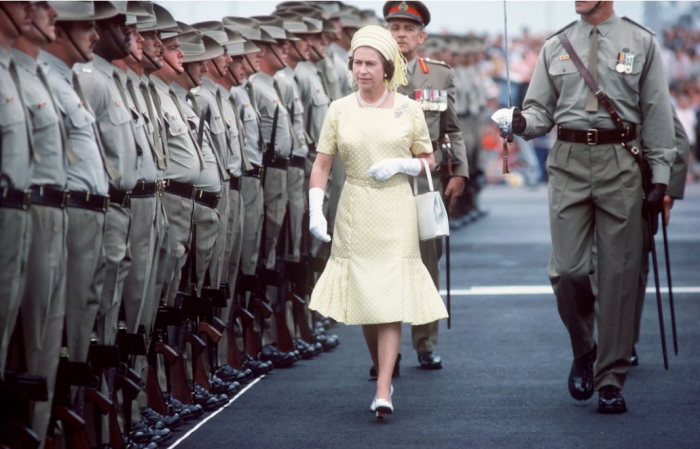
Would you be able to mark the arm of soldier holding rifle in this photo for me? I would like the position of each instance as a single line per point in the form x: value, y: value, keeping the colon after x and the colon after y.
x: 449, y: 125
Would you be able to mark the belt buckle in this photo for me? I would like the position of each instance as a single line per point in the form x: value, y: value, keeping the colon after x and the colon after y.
x: 64, y: 201
x: 26, y: 199
x: 5, y: 191
x: 592, y: 136
x: 126, y: 202
x: 193, y: 195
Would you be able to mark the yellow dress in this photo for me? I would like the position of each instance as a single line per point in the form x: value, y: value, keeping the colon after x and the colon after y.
x: 375, y: 273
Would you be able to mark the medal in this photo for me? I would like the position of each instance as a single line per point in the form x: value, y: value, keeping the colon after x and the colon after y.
x: 620, y: 67
x: 629, y: 63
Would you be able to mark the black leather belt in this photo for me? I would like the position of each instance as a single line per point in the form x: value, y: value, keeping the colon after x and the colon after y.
x: 48, y: 196
x: 15, y: 199
x: 597, y: 136
x: 145, y: 190
x: 280, y: 163
x: 119, y: 197
x: 180, y: 188
x: 256, y: 172
x: 86, y: 200
x: 297, y: 161
x: 209, y: 199
x: 235, y: 182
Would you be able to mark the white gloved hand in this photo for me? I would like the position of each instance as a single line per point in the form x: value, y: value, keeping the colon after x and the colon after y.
x: 317, y: 222
x: 383, y: 170
x: 504, y: 120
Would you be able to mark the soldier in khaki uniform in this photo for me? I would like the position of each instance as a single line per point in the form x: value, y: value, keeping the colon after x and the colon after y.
x: 43, y: 302
x: 432, y: 84
x: 595, y: 184
x: 15, y: 174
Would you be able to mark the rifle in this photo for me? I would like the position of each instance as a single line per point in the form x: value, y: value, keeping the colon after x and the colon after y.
x: 670, y: 287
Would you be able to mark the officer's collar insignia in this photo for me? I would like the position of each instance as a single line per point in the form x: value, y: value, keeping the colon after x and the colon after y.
x: 563, y: 57
x: 9, y: 99
x: 403, y: 6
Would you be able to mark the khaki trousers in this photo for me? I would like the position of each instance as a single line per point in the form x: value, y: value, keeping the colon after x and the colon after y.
x: 15, y: 240
x: 234, y: 245
x: 217, y: 268
x: 84, y: 248
x: 148, y: 317
x: 142, y: 240
x: 276, y: 198
x: 179, y: 211
x: 207, y: 221
x: 596, y: 189
x: 425, y: 336
x: 253, y: 212
x: 44, y: 303
x: 295, y: 189
x: 643, y: 276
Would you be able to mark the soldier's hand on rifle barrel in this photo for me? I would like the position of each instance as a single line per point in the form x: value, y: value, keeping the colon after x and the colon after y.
x: 655, y: 203
x: 668, y: 205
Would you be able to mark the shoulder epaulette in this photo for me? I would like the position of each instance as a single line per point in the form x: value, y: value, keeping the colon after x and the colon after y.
x: 558, y: 32
x: 639, y: 25
x: 434, y: 61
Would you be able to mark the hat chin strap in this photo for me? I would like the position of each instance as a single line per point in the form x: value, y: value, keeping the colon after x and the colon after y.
x: 151, y: 60
x: 216, y: 66
x: 175, y: 69
x: 277, y: 56
x: 595, y: 8
x: 46, y: 37
x: 189, y: 75
x: 12, y: 19
x: 233, y: 75
x: 313, y: 49
x: 74, y: 44
x: 294, y: 46
x: 250, y: 63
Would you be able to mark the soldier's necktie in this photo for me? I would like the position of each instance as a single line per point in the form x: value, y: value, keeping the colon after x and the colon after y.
x: 112, y: 172
x: 67, y: 147
x: 125, y: 100
x: 251, y: 94
x: 198, y: 111
x: 219, y: 103
x: 159, y: 113
x: 27, y: 118
x: 197, y: 150
x: 247, y: 166
x: 157, y: 142
x: 591, y: 99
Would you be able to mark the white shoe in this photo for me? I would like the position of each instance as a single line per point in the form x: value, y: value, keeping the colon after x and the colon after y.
x: 373, y: 407
x: 384, y: 407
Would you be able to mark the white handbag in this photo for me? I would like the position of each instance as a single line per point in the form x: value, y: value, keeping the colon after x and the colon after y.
x: 433, y: 221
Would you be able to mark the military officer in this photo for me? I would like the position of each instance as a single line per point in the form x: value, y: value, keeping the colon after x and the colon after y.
x: 277, y: 131
x: 43, y: 302
x: 595, y: 183
x: 15, y: 173
x: 88, y: 178
x: 432, y: 84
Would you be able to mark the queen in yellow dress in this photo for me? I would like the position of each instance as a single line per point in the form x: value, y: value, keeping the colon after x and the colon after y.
x: 374, y: 276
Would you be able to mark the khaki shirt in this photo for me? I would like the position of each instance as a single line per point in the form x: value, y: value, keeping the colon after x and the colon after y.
x: 289, y: 94
x: 557, y: 92
x: 183, y: 164
x: 46, y: 130
x: 89, y: 174
x: 143, y: 133
x: 15, y: 155
x: 209, y: 178
x: 313, y: 98
x: 113, y: 118
x: 235, y: 135
x: 251, y: 123
x: 330, y: 76
x: 206, y: 99
x: 267, y: 100
x: 439, y: 77
x: 679, y: 168
x: 340, y: 64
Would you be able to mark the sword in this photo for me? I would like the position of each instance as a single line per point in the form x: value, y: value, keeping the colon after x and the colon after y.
x: 652, y: 244
x: 670, y: 289
x: 508, y: 140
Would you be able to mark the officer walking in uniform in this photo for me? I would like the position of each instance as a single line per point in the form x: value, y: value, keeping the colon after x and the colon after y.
x: 431, y: 83
x: 595, y: 181
x: 15, y: 173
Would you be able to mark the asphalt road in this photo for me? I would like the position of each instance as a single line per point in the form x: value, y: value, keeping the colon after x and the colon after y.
x: 506, y: 360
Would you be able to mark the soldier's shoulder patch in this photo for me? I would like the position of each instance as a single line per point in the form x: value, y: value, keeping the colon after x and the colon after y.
x: 86, y: 69
x: 436, y: 62
x: 639, y: 25
x: 196, y: 90
x: 562, y: 30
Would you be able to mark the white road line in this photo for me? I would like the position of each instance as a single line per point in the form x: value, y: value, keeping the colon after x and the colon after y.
x: 523, y: 290
x: 204, y: 421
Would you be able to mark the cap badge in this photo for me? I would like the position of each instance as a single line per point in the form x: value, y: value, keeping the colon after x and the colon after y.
x: 403, y: 6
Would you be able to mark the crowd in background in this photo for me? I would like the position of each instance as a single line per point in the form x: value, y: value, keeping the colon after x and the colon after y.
x: 681, y: 53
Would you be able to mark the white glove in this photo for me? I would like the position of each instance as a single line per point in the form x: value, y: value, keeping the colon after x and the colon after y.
x: 383, y: 170
x: 317, y: 222
x: 504, y: 120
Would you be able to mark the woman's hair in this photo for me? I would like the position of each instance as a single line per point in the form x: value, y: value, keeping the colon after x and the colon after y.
x: 389, y: 66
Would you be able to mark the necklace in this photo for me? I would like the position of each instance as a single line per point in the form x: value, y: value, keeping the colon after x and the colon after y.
x: 364, y: 104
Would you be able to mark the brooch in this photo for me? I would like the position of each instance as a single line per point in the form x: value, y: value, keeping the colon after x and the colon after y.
x: 398, y: 112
